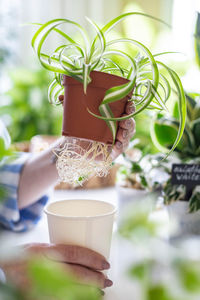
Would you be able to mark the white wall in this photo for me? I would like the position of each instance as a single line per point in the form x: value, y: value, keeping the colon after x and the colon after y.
x: 43, y: 10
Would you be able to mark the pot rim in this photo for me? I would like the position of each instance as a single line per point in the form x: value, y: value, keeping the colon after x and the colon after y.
x: 99, y: 80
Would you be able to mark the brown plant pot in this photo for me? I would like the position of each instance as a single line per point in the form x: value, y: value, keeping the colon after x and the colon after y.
x: 77, y: 121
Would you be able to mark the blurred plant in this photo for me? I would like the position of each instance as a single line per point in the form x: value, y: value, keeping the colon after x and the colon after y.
x: 27, y: 111
x: 135, y: 224
x: 146, y: 171
x: 163, y: 271
x: 52, y: 282
x: 164, y: 130
x: 180, y: 281
x: 149, y: 171
x: 49, y: 281
x: 163, y: 133
x: 197, y: 39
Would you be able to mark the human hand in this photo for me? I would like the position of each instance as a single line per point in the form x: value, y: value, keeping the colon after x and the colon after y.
x: 84, y: 264
x: 125, y: 132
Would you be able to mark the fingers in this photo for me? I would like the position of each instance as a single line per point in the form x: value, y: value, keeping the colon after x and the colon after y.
x: 87, y: 276
x: 16, y: 272
x: 125, y: 132
x: 128, y: 124
x: 72, y: 254
x: 130, y: 108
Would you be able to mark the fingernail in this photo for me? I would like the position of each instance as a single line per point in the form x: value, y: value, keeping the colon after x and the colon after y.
x: 108, y: 283
x: 125, y: 133
x: 128, y: 123
x: 105, y: 265
x: 119, y: 145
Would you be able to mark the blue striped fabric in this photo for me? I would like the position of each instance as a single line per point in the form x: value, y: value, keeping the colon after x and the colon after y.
x: 11, y: 217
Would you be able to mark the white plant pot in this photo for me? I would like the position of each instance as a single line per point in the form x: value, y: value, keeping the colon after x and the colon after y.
x: 127, y: 197
x: 188, y: 223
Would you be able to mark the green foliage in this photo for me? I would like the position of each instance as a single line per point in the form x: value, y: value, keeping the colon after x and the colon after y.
x: 159, y: 292
x: 9, y: 292
x: 164, y: 130
x: 197, y: 39
x: 163, y: 271
x: 4, y: 151
x: 143, y: 124
x: 189, y: 275
x: 173, y: 193
x: 137, y: 225
x: 146, y: 81
x: 188, y: 151
x: 52, y: 282
x: 141, y: 270
x: 28, y: 106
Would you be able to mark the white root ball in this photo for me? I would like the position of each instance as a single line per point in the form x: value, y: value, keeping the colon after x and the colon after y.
x: 80, y: 159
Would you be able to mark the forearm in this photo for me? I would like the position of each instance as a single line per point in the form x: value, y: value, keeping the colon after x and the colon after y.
x: 38, y: 175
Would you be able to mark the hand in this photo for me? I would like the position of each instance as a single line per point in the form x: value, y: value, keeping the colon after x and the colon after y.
x: 84, y: 264
x: 125, y: 132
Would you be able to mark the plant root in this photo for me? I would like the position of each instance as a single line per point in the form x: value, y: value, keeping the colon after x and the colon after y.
x: 79, y: 159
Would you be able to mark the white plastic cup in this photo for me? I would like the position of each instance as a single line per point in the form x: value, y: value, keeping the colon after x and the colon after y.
x: 87, y: 223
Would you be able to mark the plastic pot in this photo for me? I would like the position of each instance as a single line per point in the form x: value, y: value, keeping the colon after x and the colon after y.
x: 77, y: 121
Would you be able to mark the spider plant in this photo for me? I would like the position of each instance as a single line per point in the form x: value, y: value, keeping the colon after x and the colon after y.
x: 150, y: 86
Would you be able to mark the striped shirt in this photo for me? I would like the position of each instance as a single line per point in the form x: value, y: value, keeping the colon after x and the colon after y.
x: 11, y: 217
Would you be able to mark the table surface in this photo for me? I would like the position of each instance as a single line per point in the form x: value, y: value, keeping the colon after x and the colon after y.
x: 121, y: 253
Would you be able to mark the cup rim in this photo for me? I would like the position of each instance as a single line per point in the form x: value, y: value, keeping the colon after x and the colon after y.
x: 114, y: 210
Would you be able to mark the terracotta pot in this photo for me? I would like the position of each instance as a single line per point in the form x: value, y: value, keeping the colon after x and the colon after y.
x: 77, y: 121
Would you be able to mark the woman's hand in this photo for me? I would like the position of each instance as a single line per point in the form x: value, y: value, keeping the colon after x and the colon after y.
x: 125, y: 132
x: 84, y: 264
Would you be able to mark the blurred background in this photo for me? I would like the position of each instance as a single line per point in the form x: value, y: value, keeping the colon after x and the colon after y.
x: 33, y: 123
x: 24, y: 107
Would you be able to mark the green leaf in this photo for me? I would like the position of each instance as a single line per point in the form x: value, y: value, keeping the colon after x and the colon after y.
x: 195, y: 127
x: 194, y: 201
x: 164, y: 132
x: 189, y: 273
x: 182, y: 105
x: 50, y: 281
x: 43, y: 32
x: 120, y: 18
x: 135, y: 168
x: 197, y: 39
x: 140, y: 270
x: 159, y: 292
x: 102, y: 43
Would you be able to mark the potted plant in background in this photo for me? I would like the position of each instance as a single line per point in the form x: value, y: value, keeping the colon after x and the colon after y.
x: 182, y: 205
x: 151, y: 173
x: 183, y: 200
x: 130, y: 180
x: 97, y: 80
